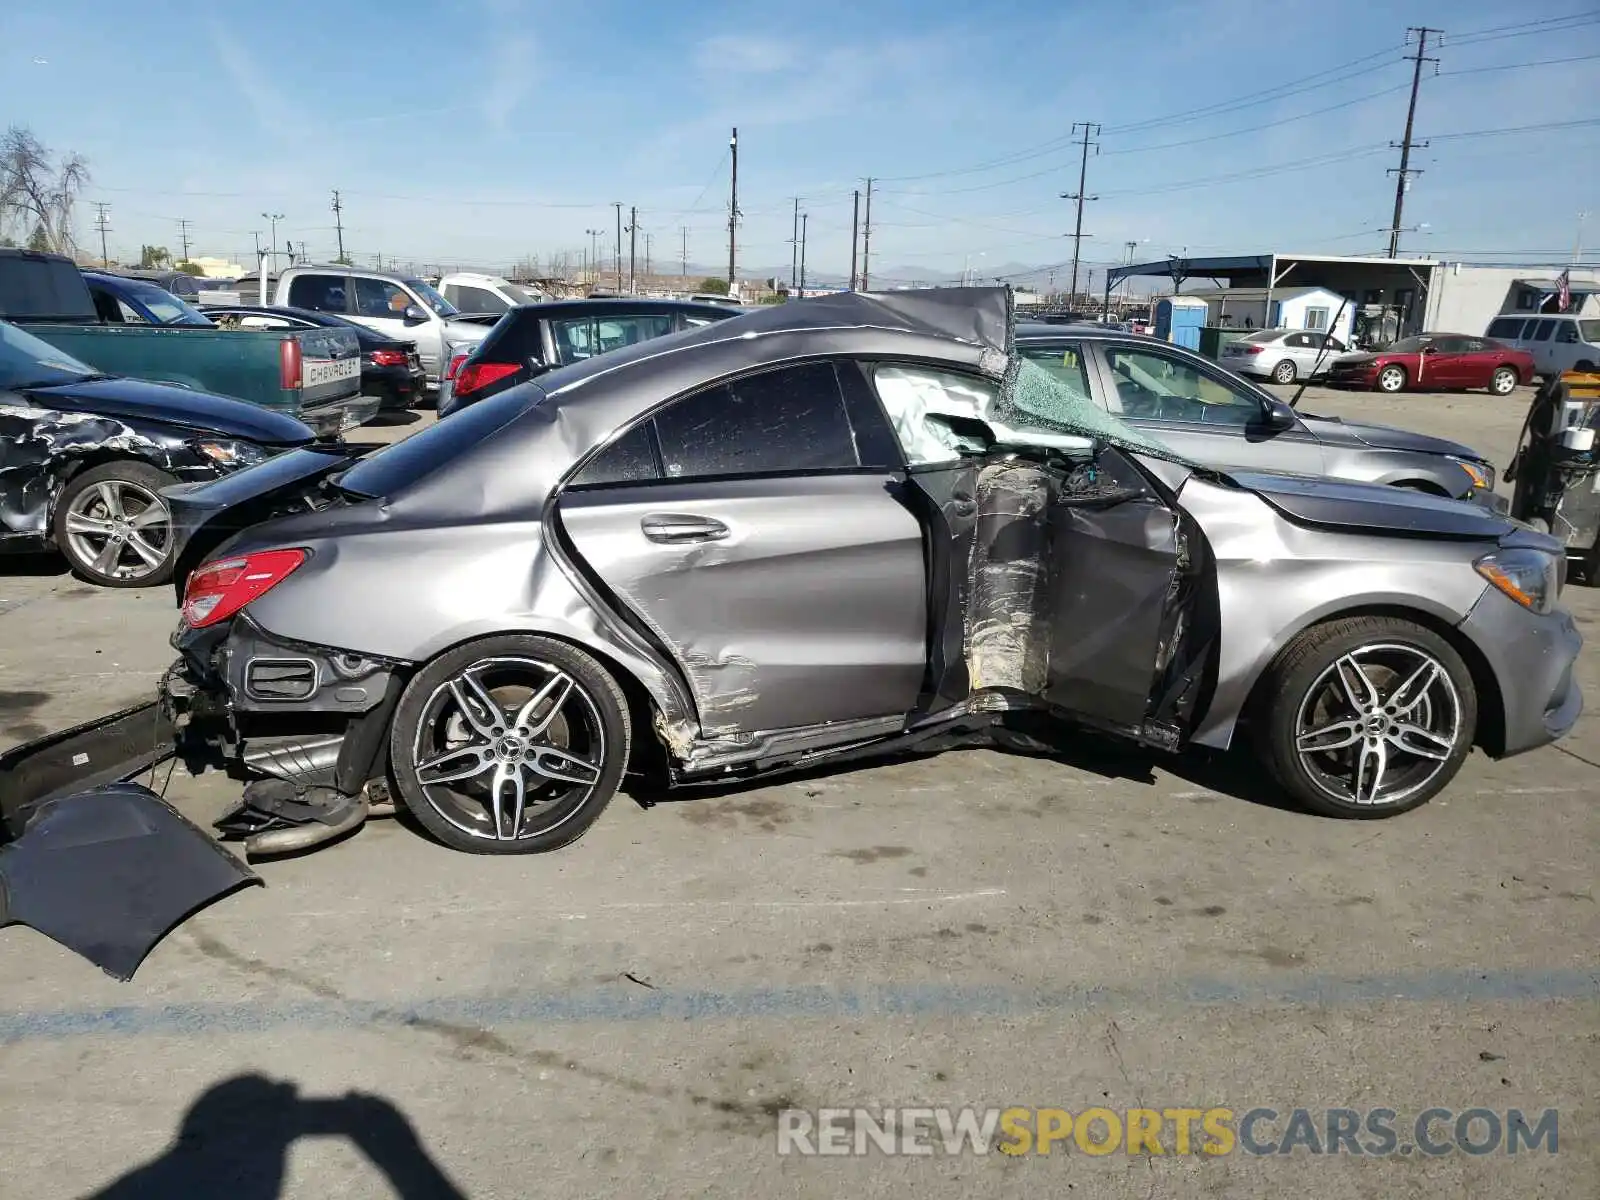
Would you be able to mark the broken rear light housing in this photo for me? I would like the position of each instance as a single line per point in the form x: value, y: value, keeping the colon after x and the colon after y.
x: 388, y: 358
x: 220, y: 588
x: 477, y: 375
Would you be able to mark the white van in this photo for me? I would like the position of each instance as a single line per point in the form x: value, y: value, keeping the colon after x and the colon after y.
x: 474, y: 293
x: 1558, y: 341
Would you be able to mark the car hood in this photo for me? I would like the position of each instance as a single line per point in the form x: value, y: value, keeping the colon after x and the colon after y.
x: 1371, y: 508
x: 1386, y: 437
x: 136, y: 399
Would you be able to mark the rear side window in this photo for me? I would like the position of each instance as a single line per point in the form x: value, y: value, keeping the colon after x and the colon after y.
x: 629, y: 459
x: 791, y: 419
x: 320, y: 293
x: 1542, y: 330
x: 475, y: 300
x: 40, y: 288
x: 1505, y: 327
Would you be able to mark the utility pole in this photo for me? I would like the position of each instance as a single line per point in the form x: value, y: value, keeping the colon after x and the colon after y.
x: 794, y: 248
x: 683, y: 260
x: 338, y: 222
x: 649, y: 243
x: 866, y: 238
x: 1080, y: 195
x: 855, y: 215
x: 633, y: 245
x: 1403, y: 172
x: 183, y: 237
x: 103, y: 214
x: 1577, y: 244
x: 274, y: 218
x: 733, y: 208
x: 594, y: 254
x: 618, y: 206
x: 804, y: 217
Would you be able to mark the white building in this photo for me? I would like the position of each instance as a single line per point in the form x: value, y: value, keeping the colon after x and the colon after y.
x: 1291, y: 308
x: 1465, y: 297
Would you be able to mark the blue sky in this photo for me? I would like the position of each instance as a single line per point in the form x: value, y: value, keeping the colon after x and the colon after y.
x: 479, y: 131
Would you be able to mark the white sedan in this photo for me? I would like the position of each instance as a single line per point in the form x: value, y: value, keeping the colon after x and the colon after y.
x: 1283, y: 355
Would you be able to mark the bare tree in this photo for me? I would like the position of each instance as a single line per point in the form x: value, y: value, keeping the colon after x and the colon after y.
x: 38, y: 191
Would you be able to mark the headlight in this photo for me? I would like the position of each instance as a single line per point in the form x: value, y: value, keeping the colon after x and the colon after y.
x: 229, y: 454
x: 1481, y: 473
x: 1530, y: 577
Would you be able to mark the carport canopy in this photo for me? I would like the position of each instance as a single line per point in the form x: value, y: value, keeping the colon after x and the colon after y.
x: 1338, y: 273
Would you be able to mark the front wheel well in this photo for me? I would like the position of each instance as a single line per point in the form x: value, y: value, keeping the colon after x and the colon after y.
x: 1491, y: 731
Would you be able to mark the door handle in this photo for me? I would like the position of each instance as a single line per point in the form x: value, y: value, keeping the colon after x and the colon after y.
x: 677, y: 528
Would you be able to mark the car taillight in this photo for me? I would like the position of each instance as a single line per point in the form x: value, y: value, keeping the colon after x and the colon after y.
x: 1252, y: 349
x: 388, y: 358
x: 290, y: 361
x: 221, y: 588
x: 455, y: 365
x: 477, y: 375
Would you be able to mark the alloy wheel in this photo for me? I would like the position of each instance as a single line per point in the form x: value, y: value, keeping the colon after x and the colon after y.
x: 1504, y: 382
x: 119, y: 528
x: 1392, y: 379
x: 508, y: 748
x: 1378, y: 724
x: 1284, y: 372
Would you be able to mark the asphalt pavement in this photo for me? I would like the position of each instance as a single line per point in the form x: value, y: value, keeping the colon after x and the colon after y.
x: 633, y: 1015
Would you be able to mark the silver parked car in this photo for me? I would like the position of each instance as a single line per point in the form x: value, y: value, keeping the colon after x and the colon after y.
x: 1220, y: 420
x: 831, y: 529
x: 1283, y: 355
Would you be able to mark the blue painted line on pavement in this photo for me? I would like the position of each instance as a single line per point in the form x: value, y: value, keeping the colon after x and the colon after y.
x: 626, y: 1002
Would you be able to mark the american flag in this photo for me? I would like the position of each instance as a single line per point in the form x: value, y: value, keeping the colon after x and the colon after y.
x: 1564, y: 289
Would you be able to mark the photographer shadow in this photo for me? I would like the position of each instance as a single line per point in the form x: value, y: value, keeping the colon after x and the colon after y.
x: 234, y: 1142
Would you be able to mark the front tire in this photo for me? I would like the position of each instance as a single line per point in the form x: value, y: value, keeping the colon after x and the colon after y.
x: 1367, y: 717
x: 509, y: 745
x: 1285, y: 372
x: 114, y: 528
x: 1503, y: 382
x: 1392, y: 379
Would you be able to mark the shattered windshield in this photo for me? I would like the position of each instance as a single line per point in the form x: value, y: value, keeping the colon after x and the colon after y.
x: 1055, y: 401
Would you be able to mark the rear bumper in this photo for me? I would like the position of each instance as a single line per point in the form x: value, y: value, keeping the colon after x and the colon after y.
x: 1532, y: 657
x: 336, y: 416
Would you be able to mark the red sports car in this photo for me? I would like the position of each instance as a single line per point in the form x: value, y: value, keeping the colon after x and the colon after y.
x: 1437, y: 362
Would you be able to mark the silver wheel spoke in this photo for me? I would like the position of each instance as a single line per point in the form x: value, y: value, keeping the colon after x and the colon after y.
x: 1424, y: 743
x: 1357, y: 687
x: 111, y: 497
x: 562, y: 767
x: 153, y: 514
x: 106, y: 560
x: 507, y: 784
x: 1370, y: 766
x: 452, y: 766
x: 478, y: 708
x: 555, y: 693
x: 1412, y: 692
x: 1330, y: 737
x: 78, y: 523
x: 152, y: 557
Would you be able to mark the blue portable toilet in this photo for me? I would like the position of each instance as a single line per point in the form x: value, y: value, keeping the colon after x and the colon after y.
x: 1179, y: 320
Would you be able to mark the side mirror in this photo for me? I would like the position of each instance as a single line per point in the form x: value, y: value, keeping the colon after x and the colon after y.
x: 1278, y: 416
x: 414, y: 315
x: 1430, y: 349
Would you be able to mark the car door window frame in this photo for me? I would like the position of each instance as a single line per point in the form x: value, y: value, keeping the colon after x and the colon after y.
x: 1101, y: 352
x: 661, y: 477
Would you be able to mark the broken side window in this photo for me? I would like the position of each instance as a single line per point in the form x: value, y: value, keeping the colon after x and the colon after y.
x: 1034, y: 401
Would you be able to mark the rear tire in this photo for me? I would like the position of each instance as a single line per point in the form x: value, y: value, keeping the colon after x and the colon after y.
x: 1366, y: 717
x: 1392, y: 379
x: 1503, y: 382
x: 509, y: 745
x: 1285, y: 372
x: 112, y: 526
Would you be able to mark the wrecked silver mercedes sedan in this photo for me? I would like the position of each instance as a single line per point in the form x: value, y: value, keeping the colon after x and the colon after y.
x: 827, y: 530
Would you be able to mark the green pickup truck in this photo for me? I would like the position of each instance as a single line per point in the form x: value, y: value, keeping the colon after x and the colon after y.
x: 311, y: 374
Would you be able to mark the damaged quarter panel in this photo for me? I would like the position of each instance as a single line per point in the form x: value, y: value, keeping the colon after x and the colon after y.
x: 1276, y: 577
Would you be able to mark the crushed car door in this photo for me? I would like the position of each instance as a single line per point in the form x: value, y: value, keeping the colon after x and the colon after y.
x: 1086, y: 577
x: 755, y: 532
